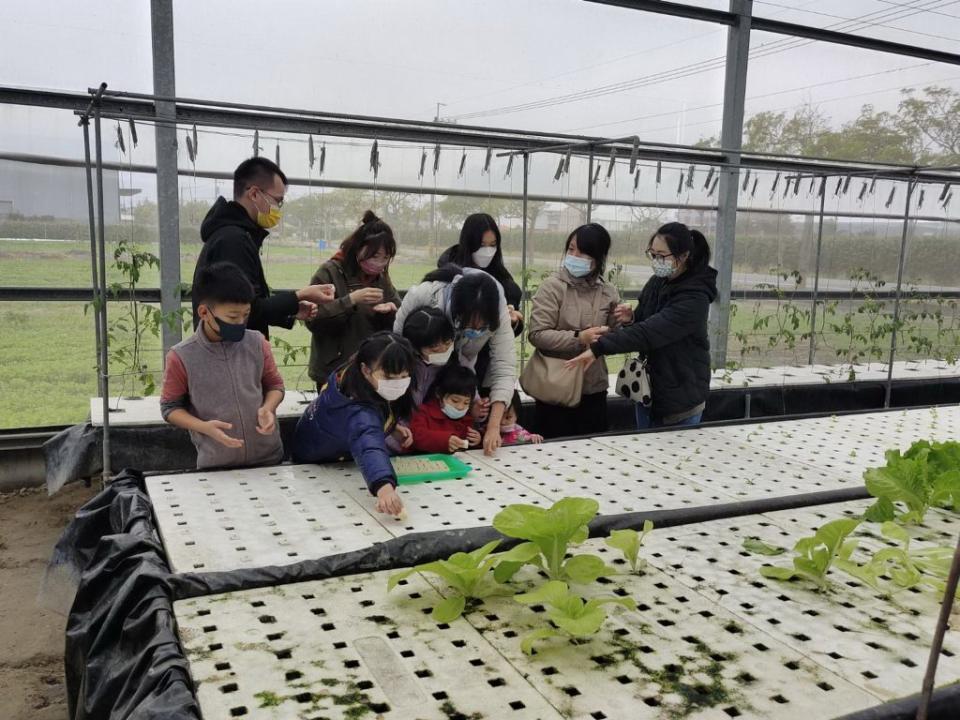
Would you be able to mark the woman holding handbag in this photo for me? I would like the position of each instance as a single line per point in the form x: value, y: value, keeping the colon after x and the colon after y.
x: 572, y: 309
x: 668, y: 329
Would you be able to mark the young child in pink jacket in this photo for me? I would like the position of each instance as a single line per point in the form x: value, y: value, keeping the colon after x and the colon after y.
x: 511, y: 431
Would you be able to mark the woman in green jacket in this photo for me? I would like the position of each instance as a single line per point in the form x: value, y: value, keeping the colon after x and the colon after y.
x: 366, y: 301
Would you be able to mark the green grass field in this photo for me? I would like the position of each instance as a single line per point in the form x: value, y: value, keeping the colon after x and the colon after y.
x: 48, y: 350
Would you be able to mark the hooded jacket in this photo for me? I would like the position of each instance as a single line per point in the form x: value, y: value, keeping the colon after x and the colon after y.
x: 229, y: 235
x: 341, y: 325
x: 565, y: 304
x: 501, y: 375
x: 670, y: 330
x: 334, y: 427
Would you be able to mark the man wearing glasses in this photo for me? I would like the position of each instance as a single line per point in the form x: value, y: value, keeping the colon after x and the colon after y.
x: 234, y: 232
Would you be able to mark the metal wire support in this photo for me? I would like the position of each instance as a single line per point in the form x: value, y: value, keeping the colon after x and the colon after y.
x: 911, y: 185
x: 96, y: 299
x: 937, y: 644
x: 816, y: 283
x: 590, y: 186
x: 523, y: 252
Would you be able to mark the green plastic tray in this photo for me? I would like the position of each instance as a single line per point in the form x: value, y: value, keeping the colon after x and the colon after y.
x: 406, y: 475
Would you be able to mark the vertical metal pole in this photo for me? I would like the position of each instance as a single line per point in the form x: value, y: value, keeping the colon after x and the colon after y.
x: 102, y: 253
x: 590, y: 187
x: 911, y: 184
x: 731, y: 139
x: 943, y: 620
x: 523, y: 255
x: 168, y: 201
x: 816, y: 284
x: 95, y: 286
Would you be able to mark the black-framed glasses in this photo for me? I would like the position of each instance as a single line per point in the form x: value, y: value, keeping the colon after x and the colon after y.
x: 657, y: 256
x: 278, y: 201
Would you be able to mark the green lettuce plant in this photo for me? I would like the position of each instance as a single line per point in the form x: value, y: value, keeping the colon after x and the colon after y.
x: 549, y: 532
x: 815, y: 554
x: 569, y: 614
x: 905, y: 567
x: 927, y: 475
x: 467, y: 573
x: 629, y: 542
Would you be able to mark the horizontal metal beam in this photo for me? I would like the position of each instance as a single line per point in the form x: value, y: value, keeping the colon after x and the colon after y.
x: 481, y: 194
x: 268, y: 119
x: 780, y: 27
x: 152, y: 295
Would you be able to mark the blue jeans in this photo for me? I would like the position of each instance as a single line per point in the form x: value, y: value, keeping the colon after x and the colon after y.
x: 645, y: 421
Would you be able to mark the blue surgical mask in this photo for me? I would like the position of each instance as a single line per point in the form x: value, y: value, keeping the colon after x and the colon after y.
x: 453, y: 413
x: 473, y: 333
x: 578, y: 266
x: 230, y: 332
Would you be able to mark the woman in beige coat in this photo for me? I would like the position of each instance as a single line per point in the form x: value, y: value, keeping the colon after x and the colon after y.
x: 573, y: 308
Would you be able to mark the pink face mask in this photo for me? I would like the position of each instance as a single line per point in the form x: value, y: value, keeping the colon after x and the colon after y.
x: 373, y: 267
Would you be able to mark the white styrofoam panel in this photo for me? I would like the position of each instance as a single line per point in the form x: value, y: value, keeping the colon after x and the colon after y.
x: 445, y: 504
x: 588, y: 468
x: 331, y: 648
x: 878, y: 643
x: 341, y: 648
x: 130, y: 412
x: 228, y: 519
x: 737, y: 470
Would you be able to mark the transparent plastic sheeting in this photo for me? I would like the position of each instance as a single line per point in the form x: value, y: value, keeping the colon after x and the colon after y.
x: 711, y: 638
x: 226, y: 520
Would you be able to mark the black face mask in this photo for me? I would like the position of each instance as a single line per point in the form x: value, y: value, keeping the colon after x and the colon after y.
x: 229, y: 332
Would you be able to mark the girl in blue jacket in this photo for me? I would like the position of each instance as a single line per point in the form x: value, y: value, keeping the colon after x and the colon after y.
x: 356, y: 411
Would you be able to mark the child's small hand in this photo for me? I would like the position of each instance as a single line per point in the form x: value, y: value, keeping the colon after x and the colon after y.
x: 455, y: 444
x: 404, y: 436
x: 266, y: 420
x: 388, y: 501
x: 473, y: 438
x: 536, y: 439
x: 215, y: 429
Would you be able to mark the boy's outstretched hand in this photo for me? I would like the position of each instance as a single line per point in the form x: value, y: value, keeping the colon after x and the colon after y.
x: 404, y: 436
x: 474, y: 438
x: 388, y: 501
x: 266, y: 420
x: 215, y: 429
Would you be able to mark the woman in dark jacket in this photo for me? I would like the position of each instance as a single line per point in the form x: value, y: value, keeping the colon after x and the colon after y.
x: 479, y: 248
x: 669, y: 328
x: 366, y: 300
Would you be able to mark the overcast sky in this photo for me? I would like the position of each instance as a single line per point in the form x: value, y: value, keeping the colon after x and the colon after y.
x: 481, y: 59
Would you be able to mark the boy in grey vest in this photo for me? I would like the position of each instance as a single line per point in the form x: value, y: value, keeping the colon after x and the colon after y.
x: 222, y: 383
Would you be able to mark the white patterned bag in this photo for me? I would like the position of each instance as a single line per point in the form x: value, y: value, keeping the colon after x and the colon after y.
x: 633, y: 382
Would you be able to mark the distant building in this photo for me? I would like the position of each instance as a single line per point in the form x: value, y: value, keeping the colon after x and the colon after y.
x: 34, y: 190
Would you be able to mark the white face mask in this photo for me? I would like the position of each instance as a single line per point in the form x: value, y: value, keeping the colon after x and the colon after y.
x: 662, y: 268
x: 391, y: 389
x: 484, y: 256
x: 440, y: 358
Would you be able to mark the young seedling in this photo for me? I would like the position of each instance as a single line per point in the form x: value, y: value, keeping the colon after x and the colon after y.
x: 815, y: 554
x: 927, y: 475
x: 758, y: 547
x: 628, y: 542
x: 569, y: 614
x: 548, y: 534
x: 467, y: 573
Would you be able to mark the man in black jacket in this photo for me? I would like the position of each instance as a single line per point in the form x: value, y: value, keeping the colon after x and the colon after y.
x: 234, y: 232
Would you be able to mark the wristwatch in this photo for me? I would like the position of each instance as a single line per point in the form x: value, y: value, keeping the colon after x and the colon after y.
x: 576, y: 333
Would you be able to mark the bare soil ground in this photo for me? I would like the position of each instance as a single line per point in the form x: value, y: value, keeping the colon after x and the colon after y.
x: 32, y: 637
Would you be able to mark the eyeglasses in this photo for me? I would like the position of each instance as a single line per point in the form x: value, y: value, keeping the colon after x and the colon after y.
x: 278, y: 201
x: 657, y: 256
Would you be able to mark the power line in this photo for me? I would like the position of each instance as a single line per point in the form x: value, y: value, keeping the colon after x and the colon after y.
x: 757, y: 97
x: 697, y: 67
